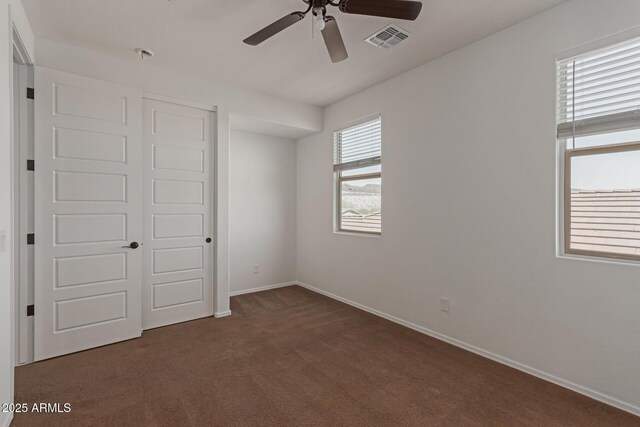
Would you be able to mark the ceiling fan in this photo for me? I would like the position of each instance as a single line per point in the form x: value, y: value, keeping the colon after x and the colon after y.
x: 398, y: 9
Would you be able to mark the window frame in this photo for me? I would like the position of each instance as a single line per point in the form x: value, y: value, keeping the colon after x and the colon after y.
x: 564, y: 155
x: 339, y: 179
x: 569, y: 154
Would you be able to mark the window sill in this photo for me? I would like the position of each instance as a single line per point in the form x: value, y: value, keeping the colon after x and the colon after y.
x: 349, y: 233
x: 596, y: 259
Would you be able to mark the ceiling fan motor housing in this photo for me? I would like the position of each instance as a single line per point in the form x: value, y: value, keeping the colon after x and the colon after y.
x: 317, y: 3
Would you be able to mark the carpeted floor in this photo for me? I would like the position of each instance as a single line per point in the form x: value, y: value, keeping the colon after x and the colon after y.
x: 290, y: 357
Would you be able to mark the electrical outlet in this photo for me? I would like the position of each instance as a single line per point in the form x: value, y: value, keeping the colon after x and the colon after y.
x: 256, y: 268
x: 3, y: 240
x: 444, y: 304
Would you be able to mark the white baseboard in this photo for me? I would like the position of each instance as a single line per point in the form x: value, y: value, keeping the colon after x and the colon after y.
x: 262, y: 288
x: 609, y: 400
x: 222, y: 314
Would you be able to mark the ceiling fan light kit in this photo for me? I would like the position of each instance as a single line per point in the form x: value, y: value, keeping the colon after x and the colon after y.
x: 396, y: 9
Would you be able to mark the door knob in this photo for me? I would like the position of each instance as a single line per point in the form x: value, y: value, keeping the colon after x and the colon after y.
x: 208, y: 239
x: 132, y: 245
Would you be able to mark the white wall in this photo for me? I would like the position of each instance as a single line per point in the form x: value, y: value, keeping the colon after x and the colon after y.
x: 469, y: 195
x: 263, y: 210
x: 229, y: 100
x: 6, y: 341
x: 143, y: 74
x: 11, y: 13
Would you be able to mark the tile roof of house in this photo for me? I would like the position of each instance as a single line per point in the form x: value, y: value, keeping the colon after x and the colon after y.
x: 606, y: 221
x: 353, y: 221
x: 601, y: 220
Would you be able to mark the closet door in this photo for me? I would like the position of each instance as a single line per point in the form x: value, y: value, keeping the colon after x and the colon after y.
x: 87, y: 213
x: 178, y: 213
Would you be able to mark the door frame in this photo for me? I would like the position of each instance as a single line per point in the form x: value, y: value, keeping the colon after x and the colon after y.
x: 214, y: 187
x: 23, y: 112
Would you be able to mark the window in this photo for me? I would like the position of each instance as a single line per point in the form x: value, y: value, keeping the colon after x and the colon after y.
x: 599, y: 135
x: 358, y: 175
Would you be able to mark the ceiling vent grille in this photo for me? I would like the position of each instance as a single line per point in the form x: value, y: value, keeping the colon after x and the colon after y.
x: 388, y: 37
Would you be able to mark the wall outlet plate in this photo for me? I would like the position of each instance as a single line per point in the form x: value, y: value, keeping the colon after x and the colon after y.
x: 444, y: 305
x: 256, y: 268
x: 3, y: 240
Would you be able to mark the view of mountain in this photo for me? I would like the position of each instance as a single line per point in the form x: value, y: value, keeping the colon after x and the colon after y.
x: 363, y: 199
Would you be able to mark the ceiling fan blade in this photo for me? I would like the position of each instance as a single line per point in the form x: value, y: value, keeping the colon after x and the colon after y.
x: 399, y: 9
x: 333, y: 40
x: 273, y: 29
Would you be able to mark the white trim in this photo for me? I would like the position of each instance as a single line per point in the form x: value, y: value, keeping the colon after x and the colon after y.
x: 22, y: 329
x: 222, y: 314
x: 221, y: 227
x: 162, y: 98
x: 355, y: 233
x: 18, y: 44
x: 22, y: 142
x: 261, y: 288
x: 561, y: 147
x: 600, y: 43
x: 599, y: 259
x: 609, y: 400
x: 358, y: 122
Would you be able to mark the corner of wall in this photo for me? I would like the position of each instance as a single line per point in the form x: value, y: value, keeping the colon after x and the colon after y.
x: 23, y: 26
x: 295, y: 261
x: 222, y: 210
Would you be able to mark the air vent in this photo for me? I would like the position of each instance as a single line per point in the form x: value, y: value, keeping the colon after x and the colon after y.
x: 388, y: 37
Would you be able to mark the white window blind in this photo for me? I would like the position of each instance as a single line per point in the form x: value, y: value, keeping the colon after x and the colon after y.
x: 358, y: 146
x: 599, y: 92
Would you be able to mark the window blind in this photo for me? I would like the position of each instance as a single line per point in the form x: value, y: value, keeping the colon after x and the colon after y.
x: 599, y: 92
x: 358, y: 146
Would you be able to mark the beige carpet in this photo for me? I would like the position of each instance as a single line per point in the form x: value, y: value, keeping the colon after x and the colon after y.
x: 290, y: 357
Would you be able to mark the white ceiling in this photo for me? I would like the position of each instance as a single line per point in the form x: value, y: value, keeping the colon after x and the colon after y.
x: 204, y: 38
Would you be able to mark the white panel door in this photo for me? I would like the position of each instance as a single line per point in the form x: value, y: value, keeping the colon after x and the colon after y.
x: 87, y: 213
x: 178, y: 213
